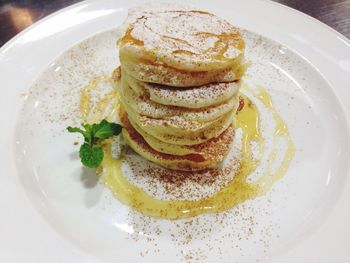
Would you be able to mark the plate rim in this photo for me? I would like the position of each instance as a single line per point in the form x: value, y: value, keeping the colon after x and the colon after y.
x: 9, y: 44
x: 62, y: 10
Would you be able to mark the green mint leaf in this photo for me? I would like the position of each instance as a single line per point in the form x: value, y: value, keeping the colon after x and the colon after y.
x: 102, y: 130
x: 87, y: 127
x: 75, y: 129
x: 88, y: 133
x: 105, y: 129
x: 91, y: 156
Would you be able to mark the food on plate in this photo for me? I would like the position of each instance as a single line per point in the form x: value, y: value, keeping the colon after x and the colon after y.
x: 178, y: 86
x: 181, y: 108
x: 181, y: 47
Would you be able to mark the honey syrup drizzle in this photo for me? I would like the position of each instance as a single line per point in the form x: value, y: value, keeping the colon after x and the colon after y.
x: 281, y: 131
x: 105, y: 108
x: 235, y: 192
x: 128, y: 38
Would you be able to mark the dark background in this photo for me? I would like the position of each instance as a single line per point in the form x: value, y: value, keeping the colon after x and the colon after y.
x: 15, y: 15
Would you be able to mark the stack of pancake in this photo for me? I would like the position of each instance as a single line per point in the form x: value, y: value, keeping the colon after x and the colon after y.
x: 179, y: 72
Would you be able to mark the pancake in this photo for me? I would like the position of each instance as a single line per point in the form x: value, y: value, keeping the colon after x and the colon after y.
x: 180, y: 133
x: 178, y: 85
x: 190, y: 162
x: 203, y: 149
x: 194, y: 98
x: 144, y: 106
x: 158, y: 73
x: 181, y: 47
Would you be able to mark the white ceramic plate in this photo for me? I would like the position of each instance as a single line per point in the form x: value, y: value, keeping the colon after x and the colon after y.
x: 50, y: 213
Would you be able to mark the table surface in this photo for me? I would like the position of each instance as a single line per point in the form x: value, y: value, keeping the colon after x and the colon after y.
x: 16, y: 15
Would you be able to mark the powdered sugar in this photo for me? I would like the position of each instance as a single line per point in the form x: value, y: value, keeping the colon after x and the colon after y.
x: 183, y: 38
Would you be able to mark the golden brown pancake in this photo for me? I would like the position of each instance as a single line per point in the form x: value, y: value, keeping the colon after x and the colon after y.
x: 208, y: 154
x: 194, y: 98
x: 142, y: 105
x: 180, y: 133
x: 181, y: 47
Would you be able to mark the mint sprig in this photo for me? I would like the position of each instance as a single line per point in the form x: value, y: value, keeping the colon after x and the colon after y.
x: 91, y: 153
x: 91, y: 156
